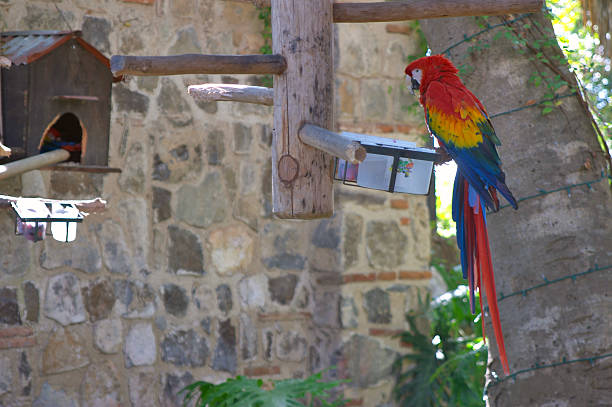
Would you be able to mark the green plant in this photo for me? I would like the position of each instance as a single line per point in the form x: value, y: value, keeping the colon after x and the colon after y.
x: 265, y: 14
x: 447, y: 364
x: 244, y: 392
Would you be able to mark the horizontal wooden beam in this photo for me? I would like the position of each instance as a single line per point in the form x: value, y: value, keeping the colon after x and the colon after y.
x: 197, y: 64
x: 33, y: 163
x: 211, y: 92
x: 419, y: 9
x: 88, y: 205
x: 332, y: 143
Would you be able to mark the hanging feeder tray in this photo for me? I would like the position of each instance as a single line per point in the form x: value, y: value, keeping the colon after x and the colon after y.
x: 391, y: 165
x: 34, y: 214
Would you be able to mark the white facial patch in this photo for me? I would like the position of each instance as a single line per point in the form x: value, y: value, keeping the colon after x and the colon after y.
x: 417, y: 75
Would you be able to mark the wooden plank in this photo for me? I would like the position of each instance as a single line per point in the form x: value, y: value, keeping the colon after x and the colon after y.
x: 302, y: 182
x: 419, y: 9
x: 332, y: 143
x: 211, y: 92
x: 197, y: 64
x: 32, y: 163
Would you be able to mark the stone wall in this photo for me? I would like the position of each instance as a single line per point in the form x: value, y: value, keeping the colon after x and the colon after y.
x: 187, y: 275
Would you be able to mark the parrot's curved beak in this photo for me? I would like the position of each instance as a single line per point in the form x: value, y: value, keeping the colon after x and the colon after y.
x: 415, y: 85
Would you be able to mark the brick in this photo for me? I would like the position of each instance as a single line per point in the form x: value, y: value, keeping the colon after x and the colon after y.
x: 261, y: 371
x: 406, y: 128
x: 16, y: 331
x: 17, y: 342
x: 385, y: 332
x: 140, y: 1
x: 354, y: 402
x: 399, y: 29
x: 399, y: 204
x: 284, y: 316
x: 359, y: 278
x: 405, y: 221
x: 387, y: 276
x: 414, y: 275
x: 384, y: 128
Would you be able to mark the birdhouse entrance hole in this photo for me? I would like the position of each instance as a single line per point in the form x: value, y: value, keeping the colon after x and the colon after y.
x: 65, y: 131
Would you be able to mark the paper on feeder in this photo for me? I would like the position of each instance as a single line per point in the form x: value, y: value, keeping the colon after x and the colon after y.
x: 64, y: 231
x: 31, y: 208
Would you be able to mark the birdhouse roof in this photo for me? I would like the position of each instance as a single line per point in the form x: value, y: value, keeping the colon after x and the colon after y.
x: 25, y: 47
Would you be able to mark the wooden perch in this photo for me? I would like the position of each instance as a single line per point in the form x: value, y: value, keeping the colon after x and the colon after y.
x: 89, y: 205
x: 197, y: 64
x: 33, y: 163
x: 332, y: 143
x: 418, y: 9
x: 4, y: 150
x: 211, y: 92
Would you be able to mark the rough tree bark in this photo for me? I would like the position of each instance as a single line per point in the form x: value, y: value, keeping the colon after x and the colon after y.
x: 550, y: 236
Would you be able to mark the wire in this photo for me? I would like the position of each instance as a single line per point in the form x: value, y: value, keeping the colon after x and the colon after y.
x: 564, y: 361
x: 518, y: 109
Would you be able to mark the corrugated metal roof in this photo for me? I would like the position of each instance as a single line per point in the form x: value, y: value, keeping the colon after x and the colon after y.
x: 24, y: 47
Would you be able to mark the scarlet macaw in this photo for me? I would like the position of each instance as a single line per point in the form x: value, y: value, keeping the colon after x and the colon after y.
x: 461, y: 124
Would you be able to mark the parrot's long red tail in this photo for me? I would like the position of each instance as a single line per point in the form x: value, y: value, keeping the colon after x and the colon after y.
x: 473, y: 242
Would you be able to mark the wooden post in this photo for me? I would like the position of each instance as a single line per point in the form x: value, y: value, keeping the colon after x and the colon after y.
x: 211, y: 92
x: 302, y: 175
x: 333, y: 143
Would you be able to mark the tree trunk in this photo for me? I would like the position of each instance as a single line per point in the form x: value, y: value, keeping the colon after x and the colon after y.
x: 552, y: 235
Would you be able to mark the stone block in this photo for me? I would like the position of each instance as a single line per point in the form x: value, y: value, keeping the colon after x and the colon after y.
x: 185, y: 254
x: 248, y: 338
x: 135, y: 299
x: 282, y: 289
x: 231, y: 248
x: 173, y: 105
x: 9, y: 306
x: 377, y: 305
x: 131, y: 43
x: 203, y: 297
x: 140, y: 348
x: 326, y: 306
x: 142, y: 387
x: 173, y: 383
x: 365, y: 362
x: 129, y: 101
x: 25, y: 375
x: 135, y: 212
x: 283, y: 246
x: 63, y: 300
x: 353, y: 230
x: 161, y: 171
x: 204, y: 204
x: 6, y: 375
x: 82, y: 254
x: 224, y: 298
x: 99, y: 299
x: 66, y: 350
x: 327, y: 234
x: 374, y: 100
x: 96, y: 31
x: 291, y: 346
x: 252, y: 291
x: 349, y: 315
x: 132, y: 178
x: 215, y: 147
x: 225, y: 357
x: 242, y: 138
x: 16, y: 253
x: 49, y: 397
x: 108, y: 335
x: 161, y: 204
x: 100, y: 386
x: 186, y: 38
x: 175, y: 300
x: 185, y: 348
x: 385, y: 244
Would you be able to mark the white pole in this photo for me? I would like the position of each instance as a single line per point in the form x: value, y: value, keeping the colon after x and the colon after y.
x: 33, y: 163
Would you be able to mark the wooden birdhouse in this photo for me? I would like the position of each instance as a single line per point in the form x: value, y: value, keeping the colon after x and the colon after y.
x: 56, y: 93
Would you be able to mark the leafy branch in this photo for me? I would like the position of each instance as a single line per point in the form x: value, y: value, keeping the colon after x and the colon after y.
x: 244, y: 392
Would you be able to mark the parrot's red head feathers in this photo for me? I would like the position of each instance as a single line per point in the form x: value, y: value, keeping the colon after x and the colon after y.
x: 426, y: 69
x: 432, y: 64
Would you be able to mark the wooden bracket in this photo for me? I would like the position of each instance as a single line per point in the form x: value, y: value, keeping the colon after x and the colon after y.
x: 332, y: 143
